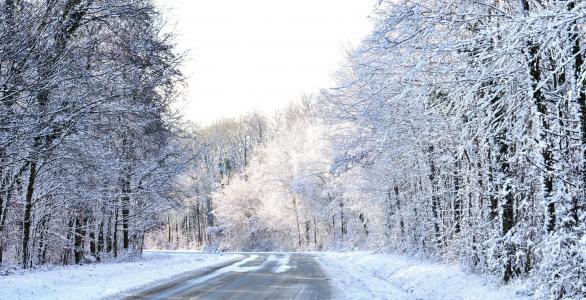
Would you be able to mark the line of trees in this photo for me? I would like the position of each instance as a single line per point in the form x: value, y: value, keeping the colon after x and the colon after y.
x: 286, y: 198
x: 294, y: 194
x: 90, y: 151
x: 457, y: 130
x: 471, y: 118
x: 220, y: 151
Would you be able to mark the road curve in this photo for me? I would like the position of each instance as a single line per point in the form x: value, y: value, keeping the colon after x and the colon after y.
x: 258, y: 276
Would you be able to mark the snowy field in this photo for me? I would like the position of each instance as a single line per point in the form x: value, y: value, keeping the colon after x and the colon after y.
x: 97, y: 281
x: 364, y: 275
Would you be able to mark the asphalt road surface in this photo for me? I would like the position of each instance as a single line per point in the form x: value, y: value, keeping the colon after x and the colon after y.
x: 257, y: 276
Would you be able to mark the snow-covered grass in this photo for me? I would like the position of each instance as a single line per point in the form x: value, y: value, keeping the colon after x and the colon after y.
x: 367, y: 275
x: 97, y: 281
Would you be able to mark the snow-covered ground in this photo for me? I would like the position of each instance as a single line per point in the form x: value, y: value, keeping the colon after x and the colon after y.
x: 354, y: 275
x: 97, y: 281
x: 366, y: 275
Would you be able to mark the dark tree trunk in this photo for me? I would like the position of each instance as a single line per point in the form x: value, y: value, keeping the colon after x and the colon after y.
x: 115, y: 234
x: 398, y: 206
x: 109, y: 243
x: 177, y: 235
x: 93, y: 243
x: 198, y: 223
x: 363, y: 221
x: 434, y: 198
x: 334, y: 227
x: 41, y: 248
x: 100, y: 241
x: 169, y: 229
x: 343, y: 226
x: 457, y: 199
x: 209, y: 215
x: 503, y: 194
x: 125, y: 202
x: 79, y: 237
x: 314, y: 232
x: 508, y: 218
x: 5, y: 188
x: 125, y: 213
x: 307, y: 232
x: 27, y: 221
x: 493, y: 200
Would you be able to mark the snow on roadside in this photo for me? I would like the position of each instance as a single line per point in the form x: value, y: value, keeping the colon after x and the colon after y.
x: 366, y: 275
x: 97, y: 281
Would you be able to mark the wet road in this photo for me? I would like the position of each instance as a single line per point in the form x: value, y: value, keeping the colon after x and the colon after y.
x: 257, y: 276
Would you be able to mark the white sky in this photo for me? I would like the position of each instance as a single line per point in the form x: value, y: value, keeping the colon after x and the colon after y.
x: 247, y: 55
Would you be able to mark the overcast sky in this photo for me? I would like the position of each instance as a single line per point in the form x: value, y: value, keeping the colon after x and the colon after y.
x: 260, y: 54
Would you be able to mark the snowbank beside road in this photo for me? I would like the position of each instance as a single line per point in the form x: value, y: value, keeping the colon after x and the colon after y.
x: 365, y: 275
x: 97, y: 281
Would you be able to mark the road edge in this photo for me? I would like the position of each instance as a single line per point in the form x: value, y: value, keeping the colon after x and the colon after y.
x: 145, y: 288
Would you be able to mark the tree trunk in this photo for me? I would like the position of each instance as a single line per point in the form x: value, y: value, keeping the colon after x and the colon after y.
x: 314, y: 232
x: 27, y: 221
x: 125, y: 202
x: 115, y: 234
x: 540, y: 102
x: 434, y: 198
x: 70, y: 232
x: 398, y: 212
x: 457, y: 199
x: 100, y: 241
x: 363, y: 221
x: 109, y: 243
x: 343, y: 226
x: 307, y: 232
x: 581, y: 83
x: 507, y: 221
x: 79, y: 239
x: 169, y: 230
x: 93, y: 243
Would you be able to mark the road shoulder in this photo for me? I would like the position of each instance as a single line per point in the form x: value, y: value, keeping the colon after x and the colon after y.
x: 367, y: 275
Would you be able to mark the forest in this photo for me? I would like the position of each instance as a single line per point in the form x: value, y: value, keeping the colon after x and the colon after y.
x: 456, y: 131
x: 90, y: 151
